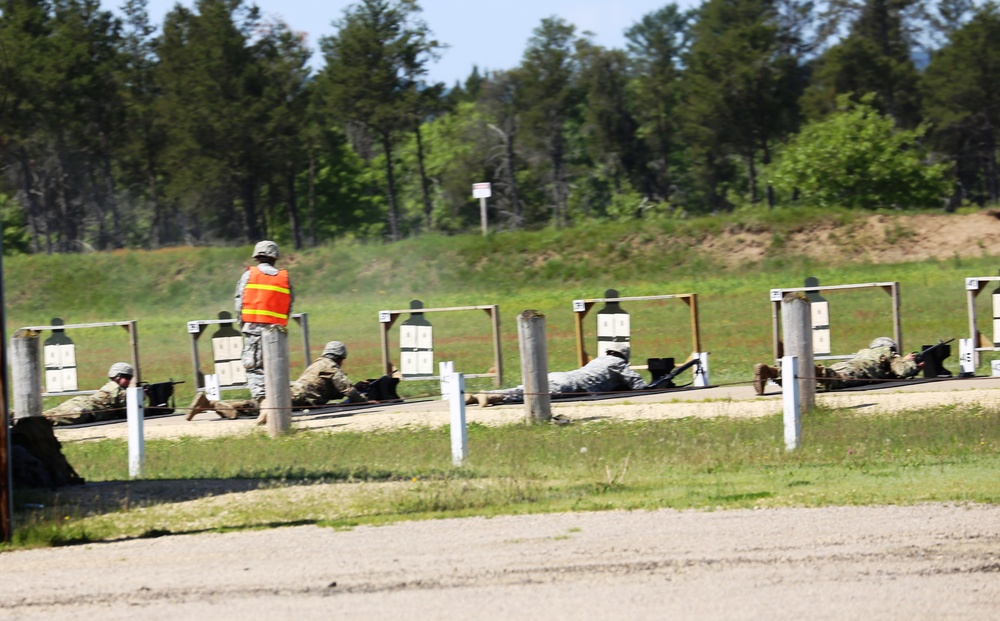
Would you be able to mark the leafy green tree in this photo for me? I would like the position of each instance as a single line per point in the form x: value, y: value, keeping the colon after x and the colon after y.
x: 25, y: 32
x: 549, y: 81
x: 140, y: 157
x: 218, y: 117
x: 875, y: 57
x: 285, y: 92
x: 62, y: 115
x: 962, y: 102
x: 656, y: 44
x: 373, y: 67
x: 501, y: 107
x: 858, y: 158
x: 610, y: 131
x: 743, y: 80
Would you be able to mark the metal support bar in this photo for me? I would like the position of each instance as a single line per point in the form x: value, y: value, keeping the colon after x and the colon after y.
x: 387, y: 318
x: 197, y: 328
x: 582, y: 307
x: 130, y: 326
x: 776, y: 295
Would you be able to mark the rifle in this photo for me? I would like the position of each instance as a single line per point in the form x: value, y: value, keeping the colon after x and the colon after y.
x: 665, y: 380
x: 932, y: 356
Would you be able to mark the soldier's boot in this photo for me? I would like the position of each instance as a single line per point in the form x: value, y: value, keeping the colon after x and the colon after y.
x: 262, y: 417
x: 226, y: 410
x: 486, y: 399
x: 824, y: 375
x: 199, y: 405
x: 762, y: 373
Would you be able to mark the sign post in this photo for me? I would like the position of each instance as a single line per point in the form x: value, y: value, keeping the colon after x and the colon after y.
x: 482, y: 191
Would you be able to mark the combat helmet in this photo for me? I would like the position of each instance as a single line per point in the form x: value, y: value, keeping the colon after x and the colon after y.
x: 335, y: 349
x: 883, y: 341
x: 121, y: 368
x: 621, y: 350
x: 266, y: 248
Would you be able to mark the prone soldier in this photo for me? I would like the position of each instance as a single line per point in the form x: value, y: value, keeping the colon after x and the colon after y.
x: 879, y: 361
x: 108, y: 403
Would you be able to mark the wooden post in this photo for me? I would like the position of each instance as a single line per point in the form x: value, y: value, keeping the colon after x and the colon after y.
x: 534, y: 366
x: 26, y: 372
x: 797, y: 330
x: 278, y: 400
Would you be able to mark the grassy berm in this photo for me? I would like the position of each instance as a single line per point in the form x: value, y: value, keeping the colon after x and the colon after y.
x: 340, y: 479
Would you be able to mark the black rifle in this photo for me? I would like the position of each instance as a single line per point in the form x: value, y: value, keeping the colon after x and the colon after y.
x: 665, y: 382
x: 933, y: 358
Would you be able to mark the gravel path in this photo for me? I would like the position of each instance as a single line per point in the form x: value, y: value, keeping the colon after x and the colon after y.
x: 923, y: 562
x: 935, y: 561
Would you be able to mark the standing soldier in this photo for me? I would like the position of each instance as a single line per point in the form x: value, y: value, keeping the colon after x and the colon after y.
x: 108, y: 403
x: 263, y: 299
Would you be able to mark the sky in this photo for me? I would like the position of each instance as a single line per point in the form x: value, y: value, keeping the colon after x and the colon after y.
x: 489, y: 34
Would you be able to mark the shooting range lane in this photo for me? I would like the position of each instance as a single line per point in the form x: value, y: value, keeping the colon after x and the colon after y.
x: 729, y: 401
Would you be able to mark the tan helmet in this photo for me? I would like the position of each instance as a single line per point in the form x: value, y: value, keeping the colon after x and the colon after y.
x: 121, y: 368
x: 883, y: 341
x: 335, y: 349
x: 266, y: 248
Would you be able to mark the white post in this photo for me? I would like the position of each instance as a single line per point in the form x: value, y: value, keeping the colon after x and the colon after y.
x: 482, y: 191
x: 456, y: 399
x: 277, y: 387
x: 134, y: 411
x: 212, y: 389
x: 482, y: 214
x: 445, y: 370
x: 790, y: 399
x: 701, y: 372
x: 967, y: 357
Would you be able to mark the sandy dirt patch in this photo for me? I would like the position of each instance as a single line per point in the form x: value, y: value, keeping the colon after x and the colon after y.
x: 922, y: 562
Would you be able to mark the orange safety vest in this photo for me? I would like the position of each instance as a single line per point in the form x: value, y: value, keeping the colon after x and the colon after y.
x: 267, y: 299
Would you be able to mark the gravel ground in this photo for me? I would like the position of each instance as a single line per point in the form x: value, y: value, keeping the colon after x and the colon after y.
x: 922, y: 562
x: 934, y: 561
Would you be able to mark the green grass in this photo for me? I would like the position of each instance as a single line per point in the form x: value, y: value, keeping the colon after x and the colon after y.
x: 343, y: 479
x: 343, y: 286
x: 346, y: 478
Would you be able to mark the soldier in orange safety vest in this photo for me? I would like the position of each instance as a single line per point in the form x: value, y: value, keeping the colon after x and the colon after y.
x: 263, y: 298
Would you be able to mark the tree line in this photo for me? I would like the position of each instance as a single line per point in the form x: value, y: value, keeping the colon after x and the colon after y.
x: 213, y: 128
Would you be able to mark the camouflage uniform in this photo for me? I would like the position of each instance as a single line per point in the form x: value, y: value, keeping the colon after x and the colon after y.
x: 108, y: 403
x: 322, y: 382
x: 602, y: 374
x: 875, y: 363
x: 319, y: 384
x: 253, y: 357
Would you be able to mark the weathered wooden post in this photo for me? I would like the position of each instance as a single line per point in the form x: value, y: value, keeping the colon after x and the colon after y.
x: 278, y: 401
x: 797, y: 330
x: 26, y: 372
x: 534, y: 366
